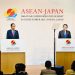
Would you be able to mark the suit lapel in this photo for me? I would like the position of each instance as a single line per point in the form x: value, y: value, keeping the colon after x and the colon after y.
x: 63, y: 33
x: 11, y: 33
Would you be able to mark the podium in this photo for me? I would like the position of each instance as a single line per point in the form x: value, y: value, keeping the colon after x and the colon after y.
x: 11, y: 53
x: 65, y: 53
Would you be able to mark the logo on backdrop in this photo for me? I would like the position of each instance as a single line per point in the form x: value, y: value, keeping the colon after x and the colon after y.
x: 11, y: 13
x: 68, y: 42
x: 13, y: 42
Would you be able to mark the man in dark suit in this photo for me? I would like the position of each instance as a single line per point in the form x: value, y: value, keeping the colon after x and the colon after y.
x: 64, y: 33
x: 20, y: 69
x: 12, y: 33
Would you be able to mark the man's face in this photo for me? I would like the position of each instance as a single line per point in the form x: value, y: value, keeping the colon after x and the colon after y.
x: 65, y: 27
x: 13, y: 27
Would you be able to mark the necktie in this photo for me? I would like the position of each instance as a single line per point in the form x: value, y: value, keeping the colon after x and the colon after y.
x: 64, y: 34
x: 13, y: 32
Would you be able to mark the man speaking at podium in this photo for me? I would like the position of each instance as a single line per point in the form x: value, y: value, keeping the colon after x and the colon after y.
x: 12, y: 33
x: 64, y: 33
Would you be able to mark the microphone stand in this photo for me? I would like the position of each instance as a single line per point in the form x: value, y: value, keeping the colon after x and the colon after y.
x: 54, y: 48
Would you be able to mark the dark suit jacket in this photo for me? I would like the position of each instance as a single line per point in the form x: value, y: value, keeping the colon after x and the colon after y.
x: 20, y: 73
x: 61, y: 34
x: 10, y: 35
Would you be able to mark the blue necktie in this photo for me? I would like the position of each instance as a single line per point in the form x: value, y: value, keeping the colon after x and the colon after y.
x: 65, y: 35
